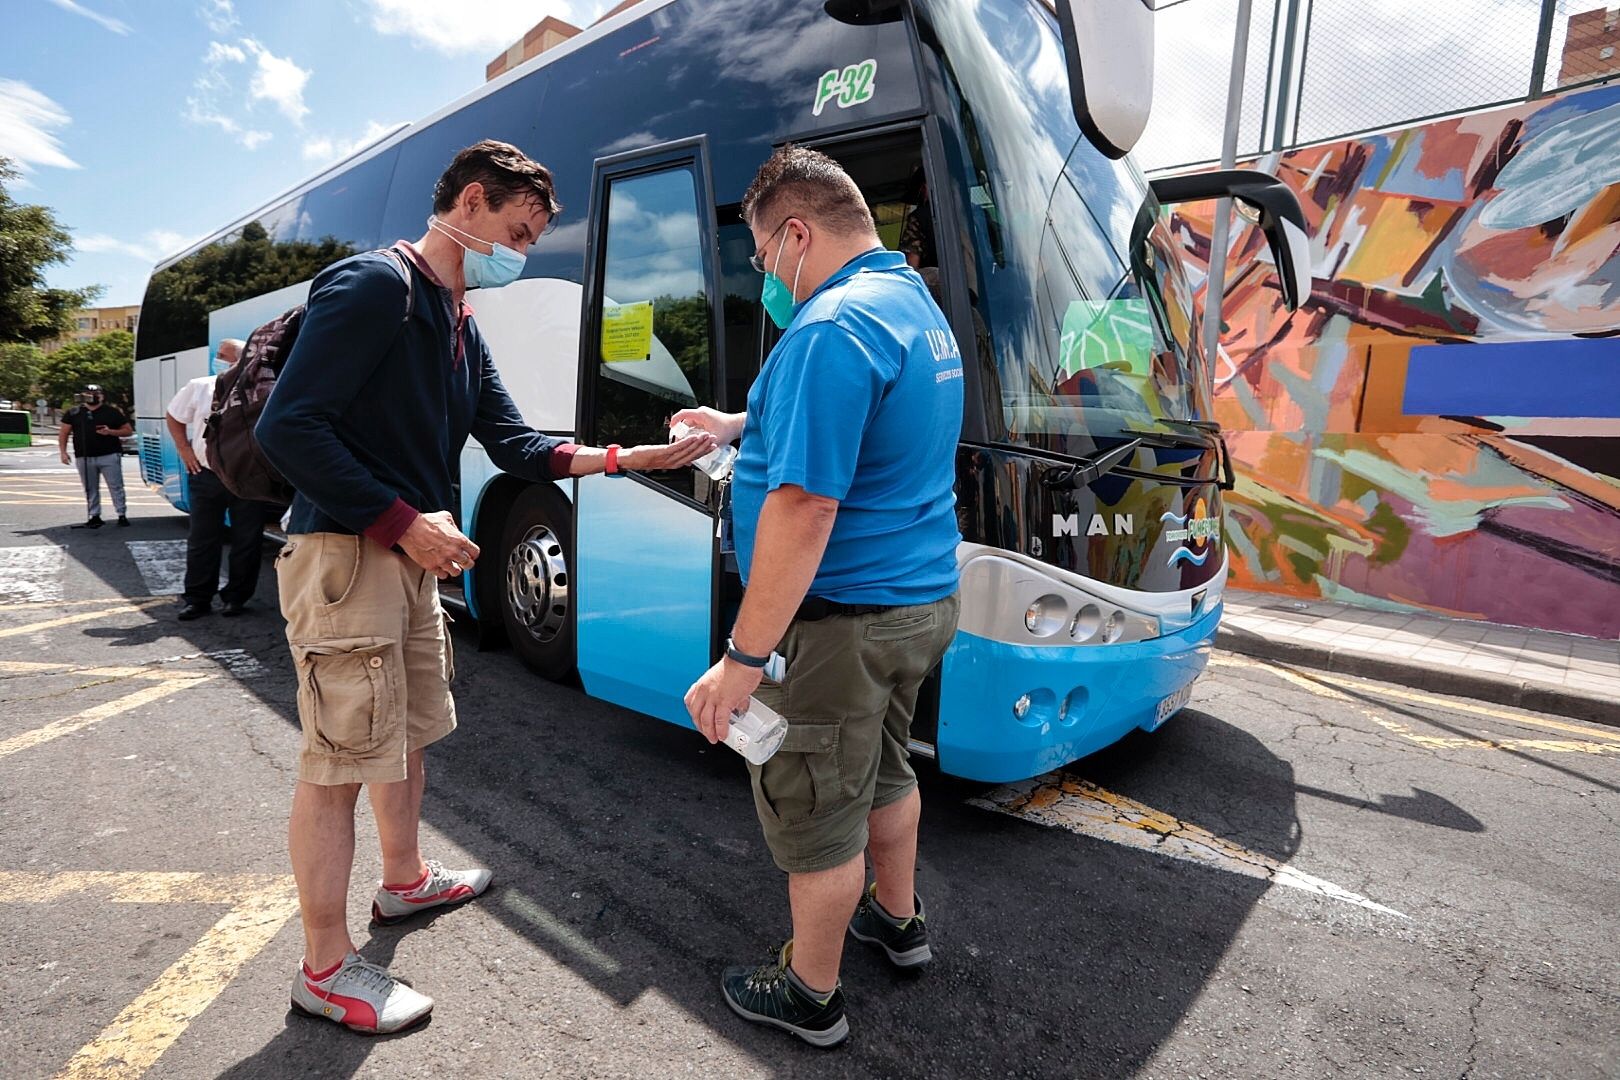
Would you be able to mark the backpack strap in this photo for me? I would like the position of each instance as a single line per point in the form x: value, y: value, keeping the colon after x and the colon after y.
x: 404, y: 265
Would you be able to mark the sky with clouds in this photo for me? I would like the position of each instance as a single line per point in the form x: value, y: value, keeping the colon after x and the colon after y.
x: 146, y: 125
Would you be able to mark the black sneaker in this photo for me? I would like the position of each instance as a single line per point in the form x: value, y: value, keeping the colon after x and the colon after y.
x: 905, y: 940
x: 772, y: 994
x: 123, y: 522
x: 94, y: 523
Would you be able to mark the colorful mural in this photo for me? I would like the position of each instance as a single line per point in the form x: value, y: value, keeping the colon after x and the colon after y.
x: 1439, y: 426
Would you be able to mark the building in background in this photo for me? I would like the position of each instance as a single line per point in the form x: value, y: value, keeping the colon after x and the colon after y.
x: 93, y: 322
x: 548, y: 33
x: 1591, y: 47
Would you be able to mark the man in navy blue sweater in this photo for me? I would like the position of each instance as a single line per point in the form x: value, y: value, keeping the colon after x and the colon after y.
x: 367, y: 422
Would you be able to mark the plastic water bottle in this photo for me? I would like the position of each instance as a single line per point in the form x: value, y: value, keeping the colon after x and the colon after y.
x: 717, y: 462
x: 757, y: 733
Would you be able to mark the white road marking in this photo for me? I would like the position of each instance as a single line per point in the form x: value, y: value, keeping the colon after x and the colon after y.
x: 1082, y: 807
x: 162, y: 564
x: 31, y: 574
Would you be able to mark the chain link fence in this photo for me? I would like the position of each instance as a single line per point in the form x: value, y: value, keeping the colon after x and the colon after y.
x: 1324, y: 69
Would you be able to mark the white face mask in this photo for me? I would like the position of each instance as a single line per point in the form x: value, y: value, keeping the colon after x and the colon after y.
x: 480, y: 271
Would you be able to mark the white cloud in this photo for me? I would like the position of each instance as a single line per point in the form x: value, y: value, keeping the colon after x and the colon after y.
x: 278, y: 80
x: 216, y: 100
x: 27, y: 118
x: 325, y: 148
x: 484, y: 27
x: 106, y: 21
x: 155, y: 245
x: 218, y: 15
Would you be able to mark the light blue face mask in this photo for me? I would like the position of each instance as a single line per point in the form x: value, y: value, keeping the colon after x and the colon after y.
x: 500, y: 267
x: 781, y: 302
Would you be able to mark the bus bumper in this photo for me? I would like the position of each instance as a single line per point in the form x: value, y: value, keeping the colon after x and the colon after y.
x: 1081, y: 699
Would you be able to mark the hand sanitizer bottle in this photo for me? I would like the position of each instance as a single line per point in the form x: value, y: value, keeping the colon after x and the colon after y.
x: 757, y: 733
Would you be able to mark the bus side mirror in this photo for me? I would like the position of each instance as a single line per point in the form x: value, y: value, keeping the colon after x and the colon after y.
x: 1108, y: 50
x: 1281, y: 219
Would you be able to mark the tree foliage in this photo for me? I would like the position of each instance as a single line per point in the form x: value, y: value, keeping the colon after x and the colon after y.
x: 31, y: 240
x: 19, y: 366
x: 238, y: 267
x: 107, y: 359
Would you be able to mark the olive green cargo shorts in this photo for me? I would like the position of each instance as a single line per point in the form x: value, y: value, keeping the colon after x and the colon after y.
x: 850, y: 694
x: 373, y: 656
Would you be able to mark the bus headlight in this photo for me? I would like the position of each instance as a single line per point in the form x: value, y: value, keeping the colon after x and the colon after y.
x: 1046, y: 616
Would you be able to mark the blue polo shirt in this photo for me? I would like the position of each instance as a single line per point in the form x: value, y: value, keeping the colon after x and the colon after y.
x: 861, y: 401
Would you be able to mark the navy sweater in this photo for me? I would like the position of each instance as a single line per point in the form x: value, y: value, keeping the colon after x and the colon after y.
x: 368, y: 417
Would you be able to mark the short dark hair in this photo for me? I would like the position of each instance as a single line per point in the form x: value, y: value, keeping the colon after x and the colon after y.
x: 506, y: 173
x: 799, y: 182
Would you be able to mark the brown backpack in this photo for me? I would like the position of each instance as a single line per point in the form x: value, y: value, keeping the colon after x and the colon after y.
x: 240, y: 395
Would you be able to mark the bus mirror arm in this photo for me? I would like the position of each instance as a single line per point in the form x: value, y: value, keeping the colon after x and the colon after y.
x: 1280, y: 217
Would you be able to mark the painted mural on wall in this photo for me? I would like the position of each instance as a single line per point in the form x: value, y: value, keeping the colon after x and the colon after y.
x: 1439, y: 427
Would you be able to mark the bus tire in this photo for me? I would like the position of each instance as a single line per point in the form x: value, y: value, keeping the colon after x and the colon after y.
x: 536, y: 578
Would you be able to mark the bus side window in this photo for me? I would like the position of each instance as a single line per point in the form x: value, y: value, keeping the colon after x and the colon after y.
x: 655, y: 350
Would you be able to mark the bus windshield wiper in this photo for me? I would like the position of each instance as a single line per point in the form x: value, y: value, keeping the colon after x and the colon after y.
x: 1087, y: 470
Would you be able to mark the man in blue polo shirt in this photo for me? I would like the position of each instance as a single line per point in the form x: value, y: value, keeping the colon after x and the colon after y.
x: 845, y: 519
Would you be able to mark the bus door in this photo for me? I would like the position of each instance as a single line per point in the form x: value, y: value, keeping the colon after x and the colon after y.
x: 645, y: 542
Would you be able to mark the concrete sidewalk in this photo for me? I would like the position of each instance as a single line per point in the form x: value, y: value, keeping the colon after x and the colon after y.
x: 1509, y: 665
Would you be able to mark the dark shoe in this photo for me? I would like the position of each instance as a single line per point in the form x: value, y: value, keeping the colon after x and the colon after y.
x: 772, y: 995
x: 194, y: 611
x: 123, y: 522
x: 94, y: 523
x: 233, y: 608
x: 906, y: 941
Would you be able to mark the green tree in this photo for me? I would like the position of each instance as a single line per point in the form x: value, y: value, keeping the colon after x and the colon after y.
x: 106, y: 359
x: 19, y: 366
x: 31, y: 240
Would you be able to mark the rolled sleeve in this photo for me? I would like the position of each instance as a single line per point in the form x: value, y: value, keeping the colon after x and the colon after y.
x: 392, y: 523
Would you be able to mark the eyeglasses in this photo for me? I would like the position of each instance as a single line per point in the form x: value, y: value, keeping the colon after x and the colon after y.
x: 757, y: 260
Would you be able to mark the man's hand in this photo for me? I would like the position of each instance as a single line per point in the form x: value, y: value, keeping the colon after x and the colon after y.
x: 188, y: 457
x: 725, y: 427
x: 676, y: 454
x: 435, y: 544
x: 723, y: 690
x: 65, y: 460
x: 103, y: 429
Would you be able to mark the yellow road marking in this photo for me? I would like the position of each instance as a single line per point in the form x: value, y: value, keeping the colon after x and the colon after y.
x: 1315, y: 679
x: 30, y: 667
x: 68, y: 725
x: 67, y: 620
x: 149, y: 1025
x: 1453, y: 742
x: 1080, y: 806
x: 37, y: 605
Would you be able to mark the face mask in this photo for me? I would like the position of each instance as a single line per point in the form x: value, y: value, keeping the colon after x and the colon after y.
x: 779, y: 300
x: 500, y: 267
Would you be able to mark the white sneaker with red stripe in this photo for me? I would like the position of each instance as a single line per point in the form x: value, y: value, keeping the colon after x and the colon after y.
x: 438, y: 887
x: 361, y: 996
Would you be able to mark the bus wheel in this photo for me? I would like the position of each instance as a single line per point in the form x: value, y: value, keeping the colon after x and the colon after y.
x: 536, y: 598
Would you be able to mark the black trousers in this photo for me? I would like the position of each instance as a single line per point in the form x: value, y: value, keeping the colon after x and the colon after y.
x: 210, y: 501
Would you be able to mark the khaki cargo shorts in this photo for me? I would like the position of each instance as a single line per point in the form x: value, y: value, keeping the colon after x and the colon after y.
x: 849, y: 698
x: 372, y: 651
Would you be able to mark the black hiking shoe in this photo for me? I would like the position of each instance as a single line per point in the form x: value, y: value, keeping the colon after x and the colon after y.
x: 94, y: 523
x: 123, y: 522
x: 905, y: 940
x: 772, y: 994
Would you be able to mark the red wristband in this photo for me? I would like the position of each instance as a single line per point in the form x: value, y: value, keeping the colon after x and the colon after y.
x: 612, y: 466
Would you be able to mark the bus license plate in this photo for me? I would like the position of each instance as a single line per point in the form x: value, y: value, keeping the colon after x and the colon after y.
x: 1170, y: 705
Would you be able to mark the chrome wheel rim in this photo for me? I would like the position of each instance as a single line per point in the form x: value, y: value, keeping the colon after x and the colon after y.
x: 537, y: 584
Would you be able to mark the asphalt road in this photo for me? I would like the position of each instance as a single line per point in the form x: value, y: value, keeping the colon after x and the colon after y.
x: 1299, y: 876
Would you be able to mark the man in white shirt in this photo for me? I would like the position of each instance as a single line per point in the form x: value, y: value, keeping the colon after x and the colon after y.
x: 209, y: 501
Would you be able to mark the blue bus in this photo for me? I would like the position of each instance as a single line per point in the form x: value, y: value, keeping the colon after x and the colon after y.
x: 990, y: 138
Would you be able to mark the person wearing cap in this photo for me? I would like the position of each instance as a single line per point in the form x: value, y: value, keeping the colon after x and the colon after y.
x: 96, y: 428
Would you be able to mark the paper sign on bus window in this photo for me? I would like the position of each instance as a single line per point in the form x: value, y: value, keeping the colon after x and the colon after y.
x: 626, y: 332
x: 1115, y: 334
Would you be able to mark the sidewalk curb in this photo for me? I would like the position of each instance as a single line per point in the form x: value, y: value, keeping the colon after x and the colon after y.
x: 1483, y: 686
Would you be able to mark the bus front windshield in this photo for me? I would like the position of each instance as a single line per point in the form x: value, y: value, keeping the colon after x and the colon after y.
x: 1082, y: 313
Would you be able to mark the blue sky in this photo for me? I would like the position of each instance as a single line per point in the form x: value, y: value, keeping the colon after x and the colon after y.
x: 146, y: 124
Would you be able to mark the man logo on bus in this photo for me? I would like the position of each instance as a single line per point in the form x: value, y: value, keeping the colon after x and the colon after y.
x: 1197, y: 534
x: 1069, y: 525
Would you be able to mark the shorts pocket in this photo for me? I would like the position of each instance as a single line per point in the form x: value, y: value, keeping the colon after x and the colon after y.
x: 903, y: 628
x: 346, y: 693
x: 801, y: 779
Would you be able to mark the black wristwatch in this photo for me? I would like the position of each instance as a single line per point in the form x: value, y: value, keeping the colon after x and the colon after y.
x: 734, y: 653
